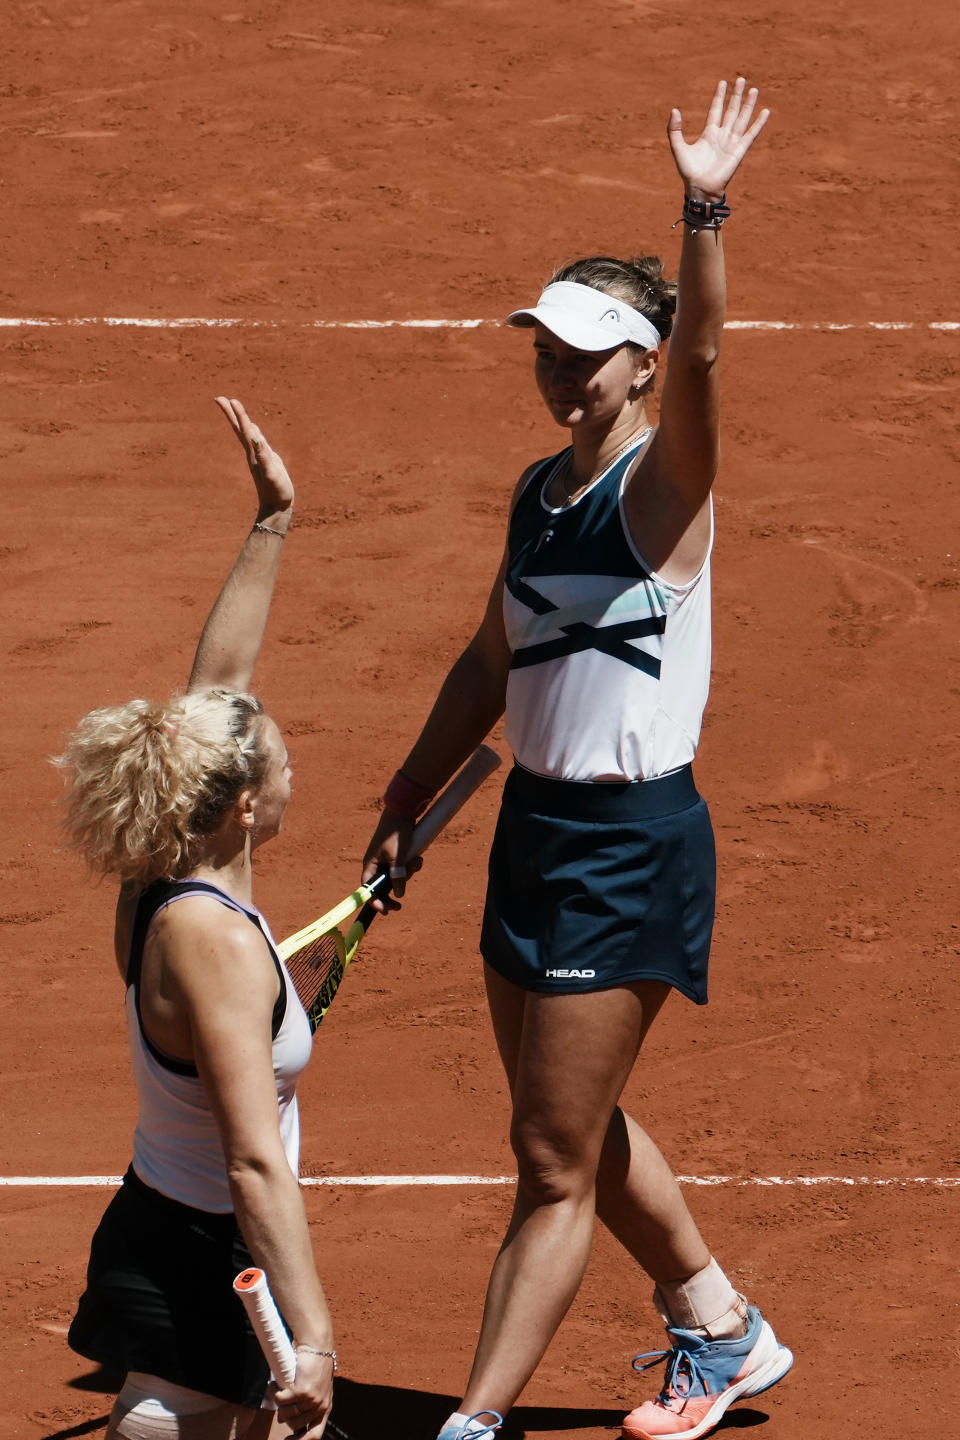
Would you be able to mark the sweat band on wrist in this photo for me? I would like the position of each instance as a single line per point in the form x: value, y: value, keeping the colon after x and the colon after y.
x: 405, y: 797
x: 703, y: 214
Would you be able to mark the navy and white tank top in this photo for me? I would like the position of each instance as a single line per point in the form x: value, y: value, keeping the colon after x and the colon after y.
x: 176, y: 1145
x: 610, y: 663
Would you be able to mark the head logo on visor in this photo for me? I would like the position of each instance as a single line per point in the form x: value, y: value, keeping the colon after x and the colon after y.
x: 583, y: 317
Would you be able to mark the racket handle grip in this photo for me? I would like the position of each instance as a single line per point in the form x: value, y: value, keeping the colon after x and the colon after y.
x: 368, y: 914
x: 482, y: 763
x: 252, y: 1288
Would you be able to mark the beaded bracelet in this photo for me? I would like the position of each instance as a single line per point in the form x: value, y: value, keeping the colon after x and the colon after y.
x: 703, y: 214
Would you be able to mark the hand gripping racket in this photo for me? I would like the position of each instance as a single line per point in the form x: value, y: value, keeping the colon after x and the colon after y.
x: 252, y: 1288
x: 317, y: 956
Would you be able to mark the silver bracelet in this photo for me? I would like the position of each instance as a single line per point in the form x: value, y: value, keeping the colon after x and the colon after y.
x: 311, y: 1350
x: 266, y: 530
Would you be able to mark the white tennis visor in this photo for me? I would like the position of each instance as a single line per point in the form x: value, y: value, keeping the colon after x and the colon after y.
x: 588, y: 319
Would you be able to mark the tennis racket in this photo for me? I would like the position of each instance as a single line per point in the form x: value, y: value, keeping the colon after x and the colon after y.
x: 252, y: 1288
x: 317, y: 956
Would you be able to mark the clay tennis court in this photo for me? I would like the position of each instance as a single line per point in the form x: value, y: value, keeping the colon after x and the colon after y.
x: 279, y: 164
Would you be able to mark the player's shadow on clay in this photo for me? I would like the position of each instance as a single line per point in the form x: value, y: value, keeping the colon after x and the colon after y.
x: 361, y: 1411
x: 98, y: 1381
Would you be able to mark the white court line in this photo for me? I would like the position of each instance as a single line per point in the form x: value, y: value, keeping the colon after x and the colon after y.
x: 200, y: 322
x: 949, y: 1182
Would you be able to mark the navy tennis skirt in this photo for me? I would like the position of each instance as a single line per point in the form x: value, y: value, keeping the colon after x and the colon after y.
x: 593, y: 885
x: 160, y: 1299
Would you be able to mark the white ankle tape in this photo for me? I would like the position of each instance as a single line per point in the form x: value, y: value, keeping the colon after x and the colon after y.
x: 705, y: 1301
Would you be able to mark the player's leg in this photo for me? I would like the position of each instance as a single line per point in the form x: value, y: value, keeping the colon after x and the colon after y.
x: 640, y: 1202
x: 643, y: 1205
x: 567, y: 1057
x: 148, y: 1408
x: 720, y: 1349
x: 637, y: 1197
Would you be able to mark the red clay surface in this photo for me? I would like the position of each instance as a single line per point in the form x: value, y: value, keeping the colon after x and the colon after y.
x: 288, y: 162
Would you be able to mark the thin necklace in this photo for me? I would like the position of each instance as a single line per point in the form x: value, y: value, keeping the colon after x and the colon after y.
x: 568, y: 465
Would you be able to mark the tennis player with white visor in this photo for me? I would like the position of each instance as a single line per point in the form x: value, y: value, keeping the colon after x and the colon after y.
x: 595, y: 646
x: 585, y: 318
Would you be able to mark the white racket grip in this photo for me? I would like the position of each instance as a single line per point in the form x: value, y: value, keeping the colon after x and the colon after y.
x: 482, y: 763
x: 251, y: 1285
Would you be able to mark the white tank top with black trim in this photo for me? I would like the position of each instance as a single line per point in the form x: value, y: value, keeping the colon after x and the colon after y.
x: 176, y: 1145
x: 610, y: 663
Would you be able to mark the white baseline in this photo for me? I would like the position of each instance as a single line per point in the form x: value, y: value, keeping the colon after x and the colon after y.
x: 773, y: 1181
x: 201, y: 322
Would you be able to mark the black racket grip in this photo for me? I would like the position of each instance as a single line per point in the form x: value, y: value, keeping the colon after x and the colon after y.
x: 381, y: 886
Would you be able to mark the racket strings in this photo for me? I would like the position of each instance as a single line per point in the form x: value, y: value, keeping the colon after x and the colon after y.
x: 316, y: 970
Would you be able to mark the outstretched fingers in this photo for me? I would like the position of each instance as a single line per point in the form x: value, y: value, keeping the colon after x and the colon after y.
x: 675, y: 134
x: 227, y: 407
x: 708, y: 162
x: 745, y: 108
x: 715, y: 113
x: 250, y: 435
x: 274, y: 486
x: 755, y: 128
x: 737, y: 121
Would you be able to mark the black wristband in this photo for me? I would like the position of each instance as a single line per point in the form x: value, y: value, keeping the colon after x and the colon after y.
x: 703, y: 214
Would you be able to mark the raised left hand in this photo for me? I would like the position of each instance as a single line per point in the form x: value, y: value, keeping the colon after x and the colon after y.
x: 708, y: 163
x: 274, y: 486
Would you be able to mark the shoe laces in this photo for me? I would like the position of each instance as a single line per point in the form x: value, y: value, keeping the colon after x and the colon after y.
x: 683, y: 1375
x: 464, y: 1434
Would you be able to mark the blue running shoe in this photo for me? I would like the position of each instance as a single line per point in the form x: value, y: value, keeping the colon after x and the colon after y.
x: 492, y: 1422
x: 704, y: 1377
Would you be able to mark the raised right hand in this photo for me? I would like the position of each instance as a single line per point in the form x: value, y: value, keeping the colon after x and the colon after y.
x: 274, y: 486
x: 707, y: 164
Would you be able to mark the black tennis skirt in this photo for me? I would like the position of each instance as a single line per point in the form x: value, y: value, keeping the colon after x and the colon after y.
x: 593, y: 885
x: 160, y: 1299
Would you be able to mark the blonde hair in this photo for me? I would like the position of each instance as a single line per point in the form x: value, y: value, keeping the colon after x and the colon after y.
x: 149, y: 782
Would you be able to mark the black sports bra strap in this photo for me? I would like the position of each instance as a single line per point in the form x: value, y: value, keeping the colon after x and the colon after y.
x: 152, y: 899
